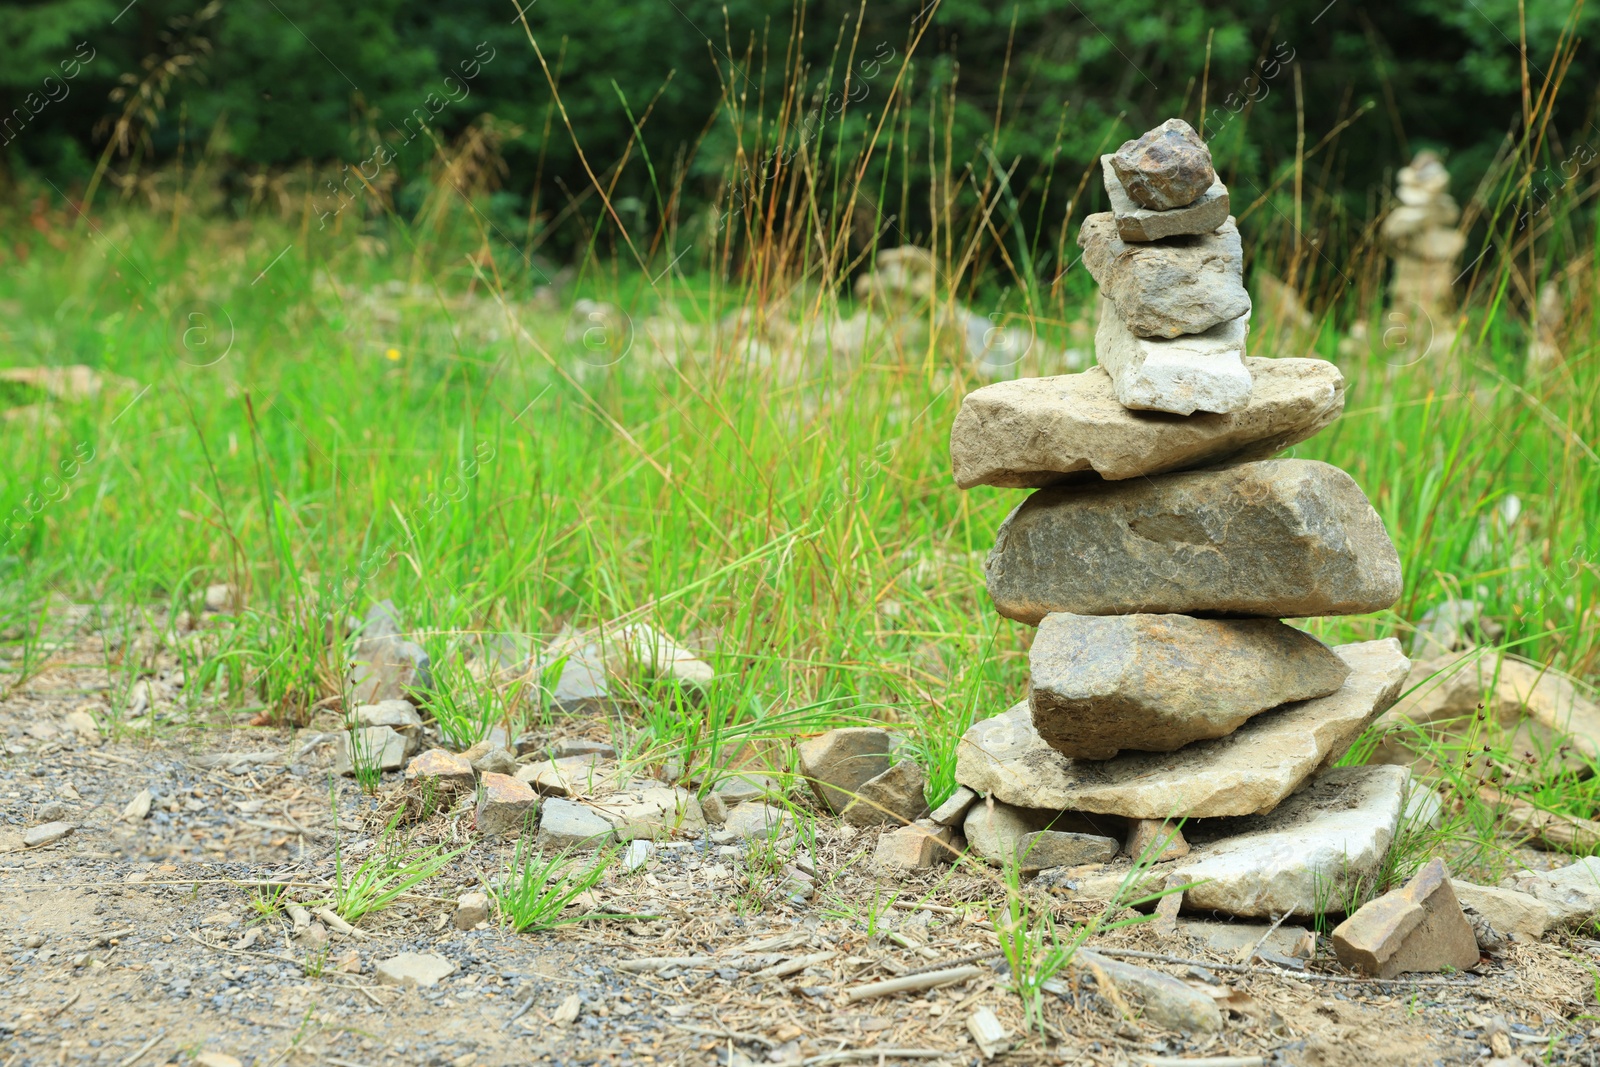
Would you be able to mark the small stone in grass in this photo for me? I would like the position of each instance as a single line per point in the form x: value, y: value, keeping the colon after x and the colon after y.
x: 471, y: 909
x: 505, y: 805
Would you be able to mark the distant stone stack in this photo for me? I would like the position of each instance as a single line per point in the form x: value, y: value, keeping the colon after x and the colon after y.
x: 1422, y: 237
x: 1158, y: 557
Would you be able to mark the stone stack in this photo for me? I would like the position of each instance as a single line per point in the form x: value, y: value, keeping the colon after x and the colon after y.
x: 1423, y: 239
x: 1158, y: 557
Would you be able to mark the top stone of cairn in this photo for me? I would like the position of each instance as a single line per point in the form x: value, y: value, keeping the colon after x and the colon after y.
x: 1169, y: 167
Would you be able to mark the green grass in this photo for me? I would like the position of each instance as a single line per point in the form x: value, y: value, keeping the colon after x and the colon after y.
x: 392, y: 408
x: 536, y: 892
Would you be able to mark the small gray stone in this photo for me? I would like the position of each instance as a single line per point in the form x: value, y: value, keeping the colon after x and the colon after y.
x: 953, y: 810
x: 414, y: 969
x: 895, y: 796
x: 1166, y: 1001
x: 1181, y: 375
x: 715, y: 808
x: 51, y: 811
x: 1183, y: 285
x: 1056, y: 848
x: 1154, y: 683
x: 376, y: 747
x: 1169, y: 167
x: 580, y: 746
x: 754, y: 820
x: 486, y: 758
x: 738, y: 788
x: 398, y: 714
x: 1276, y: 538
x: 570, y: 824
x: 1135, y: 223
x: 471, y: 909
x: 840, y: 762
x: 46, y: 834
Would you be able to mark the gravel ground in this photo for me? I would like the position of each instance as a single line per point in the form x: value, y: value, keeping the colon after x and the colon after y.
x: 145, y: 940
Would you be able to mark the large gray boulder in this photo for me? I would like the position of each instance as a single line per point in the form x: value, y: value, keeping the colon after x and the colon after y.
x: 1279, y: 538
x: 1102, y: 683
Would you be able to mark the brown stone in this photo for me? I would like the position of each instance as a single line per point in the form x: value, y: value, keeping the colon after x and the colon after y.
x: 840, y: 762
x: 916, y: 847
x: 1154, y: 683
x: 895, y: 796
x: 441, y: 769
x: 1278, y: 538
x: 505, y: 805
x: 1169, y: 167
x: 1419, y: 927
x: 1162, y: 839
x: 1135, y: 223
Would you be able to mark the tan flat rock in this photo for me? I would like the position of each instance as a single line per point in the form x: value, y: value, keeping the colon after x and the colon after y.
x: 1037, y: 432
x: 1248, y: 772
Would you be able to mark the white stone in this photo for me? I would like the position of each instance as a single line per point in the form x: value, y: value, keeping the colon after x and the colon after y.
x: 1306, y: 856
x: 1197, y: 372
x: 414, y: 969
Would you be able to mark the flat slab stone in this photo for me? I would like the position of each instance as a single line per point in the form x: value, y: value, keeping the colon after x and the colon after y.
x: 569, y: 824
x: 1037, y: 432
x: 1248, y: 772
x: 46, y: 833
x: 414, y: 969
x: 1102, y: 683
x: 441, y: 769
x: 1062, y: 848
x: 1310, y: 854
x: 1196, y: 372
x: 1278, y: 538
x: 573, y: 776
x: 1136, y: 223
x: 1182, y: 285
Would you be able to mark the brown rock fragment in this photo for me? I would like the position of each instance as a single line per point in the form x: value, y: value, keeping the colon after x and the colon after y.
x: 1158, y: 836
x: 1419, y: 927
x: 840, y: 762
x: 505, y: 805
x: 1169, y: 167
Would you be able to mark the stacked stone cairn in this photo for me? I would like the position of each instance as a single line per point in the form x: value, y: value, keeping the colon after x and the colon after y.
x: 1158, y: 556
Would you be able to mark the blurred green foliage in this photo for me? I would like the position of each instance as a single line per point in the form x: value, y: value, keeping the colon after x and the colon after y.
x: 281, y: 81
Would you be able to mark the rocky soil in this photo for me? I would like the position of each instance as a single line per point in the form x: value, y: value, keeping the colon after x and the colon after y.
x: 134, y: 939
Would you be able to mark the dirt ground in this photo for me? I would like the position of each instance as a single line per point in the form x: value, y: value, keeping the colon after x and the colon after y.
x: 140, y: 942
